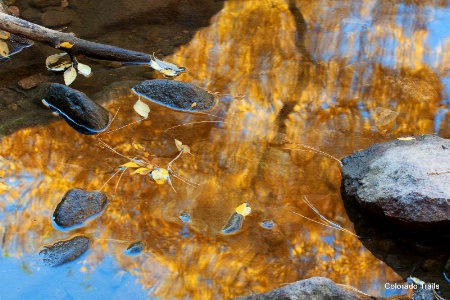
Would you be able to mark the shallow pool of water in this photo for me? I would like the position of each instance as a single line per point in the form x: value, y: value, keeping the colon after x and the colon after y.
x: 337, y: 76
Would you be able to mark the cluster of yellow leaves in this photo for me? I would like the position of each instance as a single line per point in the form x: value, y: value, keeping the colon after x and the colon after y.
x: 70, y: 71
x: 4, y: 50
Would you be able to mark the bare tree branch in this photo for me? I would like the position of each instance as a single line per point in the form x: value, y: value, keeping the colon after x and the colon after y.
x: 54, y: 39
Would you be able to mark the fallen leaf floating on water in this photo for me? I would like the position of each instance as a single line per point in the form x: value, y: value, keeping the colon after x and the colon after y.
x: 53, y: 59
x: 142, y: 171
x: 181, y: 147
x: 69, y: 75
x: 4, y: 50
x: 409, y: 138
x: 84, y: 70
x: 130, y: 164
x: 141, y: 108
x: 4, y: 35
x: 165, y: 68
x: 244, y: 209
x: 160, y: 175
x: 66, y: 45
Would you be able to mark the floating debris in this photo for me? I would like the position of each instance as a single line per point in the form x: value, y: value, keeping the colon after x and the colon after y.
x: 135, y: 249
x: 165, y: 68
x: 185, y: 217
x: 176, y: 95
x: 64, y: 251
x: 77, y: 206
x: 234, y: 224
x: 80, y: 112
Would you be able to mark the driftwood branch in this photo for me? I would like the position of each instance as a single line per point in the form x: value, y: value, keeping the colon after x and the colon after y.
x: 54, y: 39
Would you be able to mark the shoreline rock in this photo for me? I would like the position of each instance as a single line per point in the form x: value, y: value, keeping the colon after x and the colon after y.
x: 308, y: 289
x: 402, y: 181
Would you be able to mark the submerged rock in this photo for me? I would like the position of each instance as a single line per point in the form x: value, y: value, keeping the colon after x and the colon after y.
x: 234, y: 224
x: 135, y: 249
x: 175, y: 94
x: 404, y: 181
x: 309, y: 289
x: 64, y: 251
x: 80, y: 112
x: 77, y: 206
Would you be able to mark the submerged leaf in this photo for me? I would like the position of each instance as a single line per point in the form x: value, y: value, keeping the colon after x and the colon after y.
x: 84, y: 69
x: 244, y: 209
x: 69, y: 75
x: 4, y: 50
x: 141, y: 108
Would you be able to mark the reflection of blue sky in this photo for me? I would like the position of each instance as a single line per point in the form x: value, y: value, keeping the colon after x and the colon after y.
x: 21, y: 281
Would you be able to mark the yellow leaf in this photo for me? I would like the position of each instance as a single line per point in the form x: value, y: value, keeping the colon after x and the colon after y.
x: 61, y: 67
x: 4, y: 35
x: 178, y: 144
x: 4, y: 50
x: 130, y: 164
x: 141, y: 108
x: 3, y: 187
x: 66, y: 45
x: 141, y: 171
x: 193, y: 104
x: 138, y: 147
x: 69, y: 75
x: 244, y: 209
x: 409, y: 138
x: 159, y: 175
x: 84, y: 70
x: 181, y: 147
x: 54, y: 58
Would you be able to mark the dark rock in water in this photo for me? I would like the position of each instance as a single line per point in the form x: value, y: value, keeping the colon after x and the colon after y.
x: 234, y: 224
x: 80, y: 112
x: 135, y: 248
x: 175, y: 94
x: 315, y: 288
x: 404, y: 181
x: 64, y: 251
x: 77, y: 206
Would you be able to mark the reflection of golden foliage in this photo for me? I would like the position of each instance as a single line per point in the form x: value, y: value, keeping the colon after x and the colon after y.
x: 251, y: 51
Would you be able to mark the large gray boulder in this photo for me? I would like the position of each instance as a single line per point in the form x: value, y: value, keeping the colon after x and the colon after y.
x: 404, y: 181
x: 315, y: 288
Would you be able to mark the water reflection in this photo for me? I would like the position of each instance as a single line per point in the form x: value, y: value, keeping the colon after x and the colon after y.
x: 335, y: 75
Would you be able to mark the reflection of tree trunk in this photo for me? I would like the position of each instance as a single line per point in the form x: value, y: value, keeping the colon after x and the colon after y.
x: 302, y: 80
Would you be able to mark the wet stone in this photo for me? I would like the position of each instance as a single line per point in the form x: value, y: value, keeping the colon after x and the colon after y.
x: 402, y: 181
x: 176, y: 95
x: 64, y: 251
x: 80, y: 112
x: 234, y: 224
x: 77, y: 206
x: 135, y: 249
